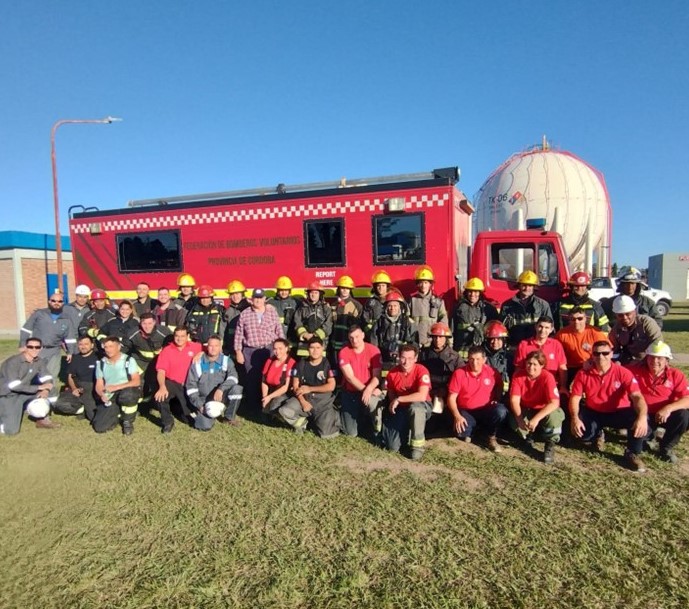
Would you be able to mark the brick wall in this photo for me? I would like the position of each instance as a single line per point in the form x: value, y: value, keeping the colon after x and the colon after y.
x: 8, y: 318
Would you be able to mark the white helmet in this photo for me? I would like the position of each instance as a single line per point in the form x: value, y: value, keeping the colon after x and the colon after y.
x: 659, y: 349
x: 214, y: 409
x: 82, y: 290
x: 38, y: 408
x: 623, y: 304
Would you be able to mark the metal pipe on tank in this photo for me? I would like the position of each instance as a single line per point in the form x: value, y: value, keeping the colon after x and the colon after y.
x: 588, y: 253
x: 521, y: 225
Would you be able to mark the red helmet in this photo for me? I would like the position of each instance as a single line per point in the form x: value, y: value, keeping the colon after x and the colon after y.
x: 496, y: 329
x: 394, y: 296
x: 315, y: 285
x: 580, y: 278
x: 98, y: 294
x: 440, y: 329
x: 205, y: 291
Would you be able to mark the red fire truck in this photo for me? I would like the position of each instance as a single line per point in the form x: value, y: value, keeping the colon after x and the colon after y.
x: 311, y: 232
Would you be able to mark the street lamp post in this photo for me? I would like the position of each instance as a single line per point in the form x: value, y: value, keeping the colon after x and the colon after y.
x: 56, y: 202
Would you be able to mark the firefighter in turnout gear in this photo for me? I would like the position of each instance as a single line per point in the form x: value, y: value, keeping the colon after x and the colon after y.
x: 441, y: 360
x: 95, y: 319
x: 123, y: 324
x: 205, y: 317
x: 286, y: 305
x: 186, y: 298
x: 521, y: 312
x: 499, y: 357
x: 346, y: 313
x: 425, y: 308
x: 471, y: 314
x: 314, y: 317
x: 375, y: 306
x: 236, y: 292
x: 392, y: 330
x: 144, y: 345
x: 578, y: 296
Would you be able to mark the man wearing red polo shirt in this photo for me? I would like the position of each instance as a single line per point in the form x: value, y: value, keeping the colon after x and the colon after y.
x: 555, y: 360
x: 666, y: 391
x: 473, y: 398
x: 613, y: 399
x: 172, y: 368
x: 409, y: 405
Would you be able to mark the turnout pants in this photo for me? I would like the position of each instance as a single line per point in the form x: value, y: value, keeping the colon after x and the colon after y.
x: 407, y: 427
x: 351, y: 409
x: 549, y: 429
x: 68, y: 403
x: 124, y: 405
x: 322, y: 418
x: 231, y: 399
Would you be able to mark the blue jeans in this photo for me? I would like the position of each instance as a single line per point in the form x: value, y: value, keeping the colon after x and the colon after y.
x: 623, y: 418
x: 488, y: 418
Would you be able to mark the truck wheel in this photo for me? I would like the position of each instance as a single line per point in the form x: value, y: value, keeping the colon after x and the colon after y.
x: 663, y: 307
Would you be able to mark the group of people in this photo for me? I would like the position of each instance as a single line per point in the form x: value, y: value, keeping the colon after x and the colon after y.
x: 385, y: 369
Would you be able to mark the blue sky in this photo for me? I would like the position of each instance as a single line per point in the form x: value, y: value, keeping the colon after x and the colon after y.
x: 227, y: 95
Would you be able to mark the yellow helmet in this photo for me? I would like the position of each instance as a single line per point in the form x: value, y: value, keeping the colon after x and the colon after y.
x: 345, y: 282
x: 283, y: 283
x: 186, y: 280
x: 528, y: 278
x: 235, y: 286
x: 475, y: 284
x: 381, y: 277
x: 424, y: 273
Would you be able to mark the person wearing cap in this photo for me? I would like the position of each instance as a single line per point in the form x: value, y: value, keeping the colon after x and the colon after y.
x: 666, y: 391
x: 393, y: 329
x: 577, y: 339
x: 167, y: 313
x: 346, y: 313
x: 257, y: 329
x: 77, y: 309
x: 441, y: 360
x: 314, y: 317
x: 408, y: 404
x: 629, y: 284
x: 374, y: 307
x: 185, y: 295
x: 425, y: 307
x: 577, y: 295
x: 213, y: 378
x: 286, y: 305
x: 360, y: 366
x: 79, y: 397
x: 205, y: 317
x: 56, y: 330
x: 470, y: 315
x: 631, y: 333
x: 313, y: 402
x: 143, y: 302
x: 606, y: 394
x: 24, y: 377
x: 520, y: 313
x: 237, y: 303
x: 474, y: 399
x: 97, y: 317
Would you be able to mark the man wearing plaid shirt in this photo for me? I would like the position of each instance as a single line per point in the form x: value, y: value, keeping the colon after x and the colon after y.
x: 257, y: 328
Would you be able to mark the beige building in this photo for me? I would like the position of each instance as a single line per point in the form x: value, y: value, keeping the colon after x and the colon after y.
x: 28, y: 271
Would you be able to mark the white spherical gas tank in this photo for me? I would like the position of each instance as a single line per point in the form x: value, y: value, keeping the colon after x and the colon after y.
x: 555, y: 185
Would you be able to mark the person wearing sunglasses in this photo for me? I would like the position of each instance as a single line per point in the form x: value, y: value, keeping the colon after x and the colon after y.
x: 612, y: 399
x: 23, y: 377
x: 56, y: 330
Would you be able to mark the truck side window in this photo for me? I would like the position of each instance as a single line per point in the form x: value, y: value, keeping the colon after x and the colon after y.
x: 324, y: 241
x: 398, y: 239
x: 547, y: 265
x: 509, y: 260
x: 155, y: 251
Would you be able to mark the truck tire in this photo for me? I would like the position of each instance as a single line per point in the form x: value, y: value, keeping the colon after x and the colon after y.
x: 663, y: 307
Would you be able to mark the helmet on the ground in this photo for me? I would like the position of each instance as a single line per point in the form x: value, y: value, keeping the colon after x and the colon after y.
x: 630, y: 275
x: 345, y: 282
x: 580, y: 278
x: 185, y: 280
x: 283, y: 283
x: 528, y: 278
x: 381, y: 277
x: 235, y: 286
x: 82, y: 290
x: 623, y: 304
x: 394, y: 296
x: 98, y: 294
x: 38, y: 408
x: 496, y: 329
x: 214, y: 409
x: 440, y: 329
x: 315, y: 285
x: 658, y: 348
x: 205, y: 291
x: 475, y: 285
x: 424, y: 273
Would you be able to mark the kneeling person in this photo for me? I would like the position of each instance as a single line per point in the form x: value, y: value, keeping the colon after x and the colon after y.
x: 79, y: 397
x: 213, y: 378
x: 313, y: 383
x: 474, y: 398
x: 117, y: 385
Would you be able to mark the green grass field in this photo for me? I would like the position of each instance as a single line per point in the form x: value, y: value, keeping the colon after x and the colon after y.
x: 257, y: 517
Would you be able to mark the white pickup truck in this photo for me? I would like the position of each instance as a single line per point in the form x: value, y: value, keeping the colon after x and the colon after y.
x: 604, y: 287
